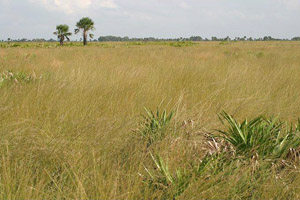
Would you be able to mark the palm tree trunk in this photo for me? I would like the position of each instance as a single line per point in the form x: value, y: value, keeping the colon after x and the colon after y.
x: 61, y: 41
x: 84, y: 38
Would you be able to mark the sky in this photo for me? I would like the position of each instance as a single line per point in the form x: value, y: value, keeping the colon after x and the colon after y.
x: 153, y: 18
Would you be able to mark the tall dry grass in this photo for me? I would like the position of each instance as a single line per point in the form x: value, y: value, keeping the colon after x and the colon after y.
x: 70, y: 134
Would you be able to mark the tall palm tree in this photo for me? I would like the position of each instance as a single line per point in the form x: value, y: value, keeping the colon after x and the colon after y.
x: 62, y: 32
x: 86, y: 25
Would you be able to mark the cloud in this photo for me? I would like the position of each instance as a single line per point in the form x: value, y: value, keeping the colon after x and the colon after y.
x: 292, y: 4
x: 4, y: 2
x: 72, y: 6
x: 183, y: 4
x: 108, y: 4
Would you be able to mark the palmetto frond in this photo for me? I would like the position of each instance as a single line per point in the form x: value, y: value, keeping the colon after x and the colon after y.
x: 260, y: 136
x: 86, y: 24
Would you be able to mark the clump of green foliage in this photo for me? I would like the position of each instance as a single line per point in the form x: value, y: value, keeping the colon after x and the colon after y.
x: 161, y: 178
x: 262, y: 137
x: 155, y: 125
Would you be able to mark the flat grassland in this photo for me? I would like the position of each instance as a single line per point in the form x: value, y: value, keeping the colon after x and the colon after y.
x: 71, y: 123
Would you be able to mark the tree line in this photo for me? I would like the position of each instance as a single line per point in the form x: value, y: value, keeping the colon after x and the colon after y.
x: 85, y: 25
x: 146, y: 39
x: 192, y: 38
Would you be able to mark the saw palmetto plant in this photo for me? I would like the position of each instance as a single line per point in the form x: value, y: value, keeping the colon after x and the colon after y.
x: 266, y: 138
x: 155, y: 124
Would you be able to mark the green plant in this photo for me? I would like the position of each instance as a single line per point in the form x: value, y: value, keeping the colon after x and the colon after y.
x: 155, y: 124
x: 266, y: 138
x: 160, y: 178
x: 62, y: 32
x: 85, y: 24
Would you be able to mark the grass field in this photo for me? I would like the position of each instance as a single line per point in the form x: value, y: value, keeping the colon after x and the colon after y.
x: 72, y: 128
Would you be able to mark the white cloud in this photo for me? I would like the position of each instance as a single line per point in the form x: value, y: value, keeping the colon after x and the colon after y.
x: 108, y: 4
x: 183, y: 4
x: 72, y: 6
x: 292, y: 4
x: 4, y: 2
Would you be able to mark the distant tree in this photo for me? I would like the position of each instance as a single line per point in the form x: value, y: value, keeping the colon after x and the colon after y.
x: 268, y: 38
x: 86, y: 25
x: 195, y: 38
x: 23, y: 40
x: 39, y: 40
x: 51, y: 40
x: 62, y: 32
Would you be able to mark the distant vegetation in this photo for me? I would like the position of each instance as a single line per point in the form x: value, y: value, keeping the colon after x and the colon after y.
x: 153, y: 39
x: 96, y: 44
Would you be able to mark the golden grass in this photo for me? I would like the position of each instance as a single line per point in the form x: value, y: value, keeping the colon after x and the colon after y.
x: 69, y: 135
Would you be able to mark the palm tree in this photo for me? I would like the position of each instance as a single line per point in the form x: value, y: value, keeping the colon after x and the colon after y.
x: 86, y: 24
x: 62, y: 32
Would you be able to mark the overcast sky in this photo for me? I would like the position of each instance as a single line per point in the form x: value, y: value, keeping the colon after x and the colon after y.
x: 157, y: 18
